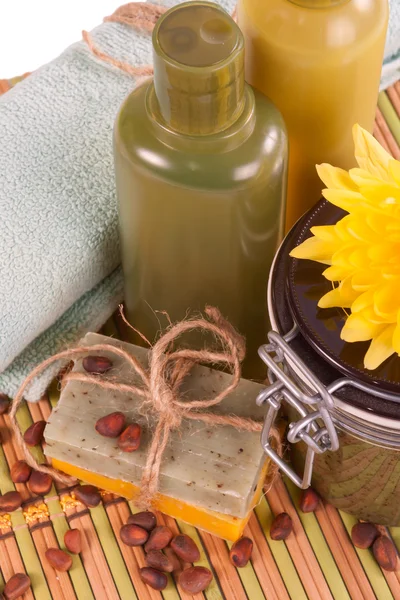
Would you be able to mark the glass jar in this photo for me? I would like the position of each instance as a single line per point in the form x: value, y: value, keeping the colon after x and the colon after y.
x: 344, y: 430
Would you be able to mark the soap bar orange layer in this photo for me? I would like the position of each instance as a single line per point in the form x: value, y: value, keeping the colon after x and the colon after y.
x: 224, y: 526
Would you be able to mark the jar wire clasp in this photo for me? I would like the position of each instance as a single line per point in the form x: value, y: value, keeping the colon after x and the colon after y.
x: 315, y: 427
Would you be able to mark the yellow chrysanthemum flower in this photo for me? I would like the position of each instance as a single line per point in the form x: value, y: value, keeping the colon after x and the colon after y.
x: 363, y: 249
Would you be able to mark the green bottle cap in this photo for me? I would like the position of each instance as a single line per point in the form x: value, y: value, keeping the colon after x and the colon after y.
x: 198, y: 68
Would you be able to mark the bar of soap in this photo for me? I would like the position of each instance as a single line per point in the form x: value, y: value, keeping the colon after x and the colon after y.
x: 224, y: 526
x: 215, y: 469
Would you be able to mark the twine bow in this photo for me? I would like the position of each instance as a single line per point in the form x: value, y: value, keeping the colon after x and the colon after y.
x: 162, y: 383
x: 159, y: 388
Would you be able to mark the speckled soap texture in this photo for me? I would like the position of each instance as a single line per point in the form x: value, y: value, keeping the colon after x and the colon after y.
x: 216, y: 468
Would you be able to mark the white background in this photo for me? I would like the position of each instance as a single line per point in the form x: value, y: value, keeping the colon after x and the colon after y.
x: 33, y: 32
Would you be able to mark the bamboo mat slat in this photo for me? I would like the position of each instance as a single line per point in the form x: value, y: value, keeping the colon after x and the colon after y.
x: 264, y: 565
x: 280, y: 553
x: 389, y: 105
x: 320, y: 547
x: 317, y: 562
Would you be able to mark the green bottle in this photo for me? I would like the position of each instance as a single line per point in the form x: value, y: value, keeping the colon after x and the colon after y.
x: 200, y: 160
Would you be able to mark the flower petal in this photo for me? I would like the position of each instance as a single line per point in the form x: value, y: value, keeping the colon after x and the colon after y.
x: 335, y: 178
x: 314, y: 249
x: 383, y: 195
x: 337, y: 272
x: 359, y: 329
x: 370, y: 155
x: 342, y: 229
x: 386, y: 301
x: 363, y: 280
x: 380, y: 348
x: 364, y: 300
x: 345, y: 199
x: 378, y: 223
x: 342, y: 296
x: 342, y: 256
x: 381, y: 253
x: 327, y: 233
x: 396, y: 337
x: 370, y: 315
x: 394, y: 169
x: 359, y: 258
x: 361, y: 177
x: 362, y: 232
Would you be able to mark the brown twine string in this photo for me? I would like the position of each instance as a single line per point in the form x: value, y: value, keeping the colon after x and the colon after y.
x: 143, y: 71
x: 141, y: 15
x: 159, y: 388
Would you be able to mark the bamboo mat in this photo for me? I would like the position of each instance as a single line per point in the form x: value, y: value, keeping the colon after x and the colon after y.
x: 318, y: 561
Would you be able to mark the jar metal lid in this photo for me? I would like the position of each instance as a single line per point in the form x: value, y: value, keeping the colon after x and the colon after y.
x: 381, y: 400
x: 322, y: 327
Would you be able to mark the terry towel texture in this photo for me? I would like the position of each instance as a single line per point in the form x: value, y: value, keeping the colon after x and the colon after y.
x: 59, y: 269
x: 58, y: 229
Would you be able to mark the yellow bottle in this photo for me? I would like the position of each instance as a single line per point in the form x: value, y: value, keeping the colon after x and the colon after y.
x: 319, y: 61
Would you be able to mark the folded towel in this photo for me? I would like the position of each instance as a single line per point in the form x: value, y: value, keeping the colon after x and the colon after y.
x: 58, y: 226
x: 59, y: 275
x: 88, y: 313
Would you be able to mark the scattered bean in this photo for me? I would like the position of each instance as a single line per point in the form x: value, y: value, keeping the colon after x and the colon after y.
x: 159, y: 538
x: 155, y: 579
x: 89, y: 495
x: 58, y: 559
x: 133, y: 535
x: 145, y: 519
x: 185, y: 548
x: 73, y: 541
x: 20, y: 472
x: 241, y: 550
x: 281, y: 527
x: 34, y: 434
x: 385, y: 553
x: 16, y: 586
x: 195, y: 579
x: 10, y: 502
x: 97, y: 364
x: 40, y: 483
x: 363, y: 535
x: 158, y: 560
x: 176, y: 563
x: 309, y: 500
x: 4, y: 404
x: 111, y: 425
x: 129, y: 440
